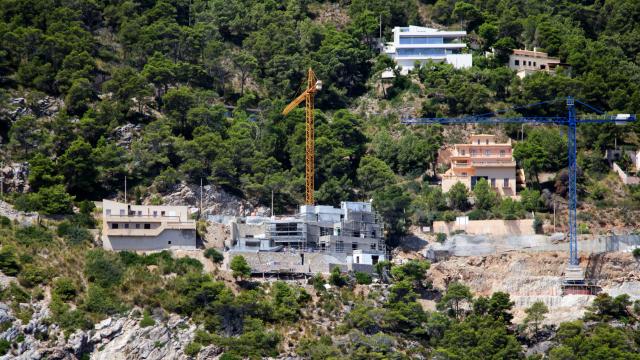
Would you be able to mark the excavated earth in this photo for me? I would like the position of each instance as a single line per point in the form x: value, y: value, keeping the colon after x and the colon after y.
x: 531, y: 277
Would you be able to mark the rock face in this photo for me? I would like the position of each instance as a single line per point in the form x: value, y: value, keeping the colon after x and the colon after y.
x: 111, y: 339
x: 14, y: 177
x: 125, y: 134
x: 215, y: 201
x: 23, y: 218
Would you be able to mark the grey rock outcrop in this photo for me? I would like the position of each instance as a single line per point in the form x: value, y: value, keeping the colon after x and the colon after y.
x: 215, y: 201
x: 124, y: 135
x: 15, y: 177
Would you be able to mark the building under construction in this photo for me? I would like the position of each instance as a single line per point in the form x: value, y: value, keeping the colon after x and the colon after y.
x: 353, y: 231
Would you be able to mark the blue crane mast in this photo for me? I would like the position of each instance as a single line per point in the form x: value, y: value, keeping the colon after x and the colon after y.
x: 573, y: 275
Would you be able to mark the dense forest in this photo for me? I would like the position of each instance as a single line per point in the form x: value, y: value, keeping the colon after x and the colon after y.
x: 203, y: 84
x: 171, y: 66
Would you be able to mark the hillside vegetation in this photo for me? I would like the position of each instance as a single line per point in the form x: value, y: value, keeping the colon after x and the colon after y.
x: 204, y: 83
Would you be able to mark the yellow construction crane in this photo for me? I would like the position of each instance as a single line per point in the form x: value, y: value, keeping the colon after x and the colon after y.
x: 313, y: 85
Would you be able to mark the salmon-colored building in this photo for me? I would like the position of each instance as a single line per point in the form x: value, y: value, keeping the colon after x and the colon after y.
x: 483, y: 158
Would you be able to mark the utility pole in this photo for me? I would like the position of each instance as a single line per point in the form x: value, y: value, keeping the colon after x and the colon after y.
x: 272, y: 203
x: 554, y: 213
x: 125, y: 189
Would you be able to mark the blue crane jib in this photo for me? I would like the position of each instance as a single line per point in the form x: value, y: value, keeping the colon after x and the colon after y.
x: 571, y: 121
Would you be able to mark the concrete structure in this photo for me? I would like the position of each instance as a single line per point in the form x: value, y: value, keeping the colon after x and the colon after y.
x: 493, y: 227
x: 526, y: 62
x: 413, y: 44
x: 482, y: 158
x: 316, y: 228
x: 146, y: 227
x: 614, y: 156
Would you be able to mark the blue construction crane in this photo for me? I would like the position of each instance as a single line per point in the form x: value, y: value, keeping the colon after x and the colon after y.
x: 574, y: 275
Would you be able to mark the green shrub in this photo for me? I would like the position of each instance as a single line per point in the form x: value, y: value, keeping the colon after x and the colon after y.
x: 478, y: 214
x: 33, y: 236
x: 185, y: 264
x: 583, y: 229
x: 449, y: 216
x: 192, y: 349
x: 74, y: 234
x: 103, y: 268
x: 147, y: 320
x: 65, y: 289
x: 102, y: 301
x: 9, y: 264
x: 336, y: 278
x: 230, y: 356
x: 636, y: 252
x: 32, y: 275
x: 214, y: 255
x: 363, y: 278
x: 5, y: 222
x: 5, y: 346
x: 441, y: 237
x: 240, y: 267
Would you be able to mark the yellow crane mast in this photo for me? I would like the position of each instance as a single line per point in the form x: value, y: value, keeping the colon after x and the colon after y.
x: 313, y: 85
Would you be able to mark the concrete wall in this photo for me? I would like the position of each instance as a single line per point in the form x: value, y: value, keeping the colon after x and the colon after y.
x: 493, y: 227
x: 626, y: 179
x: 180, y: 239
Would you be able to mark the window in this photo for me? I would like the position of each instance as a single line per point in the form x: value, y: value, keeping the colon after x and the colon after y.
x: 340, y: 246
x: 501, y: 153
x: 169, y: 242
x: 354, y: 246
x: 147, y: 226
x: 161, y: 213
x: 407, y: 40
x: 126, y: 226
x: 464, y: 174
x: 493, y: 182
x: 356, y: 233
x: 516, y: 62
x: 505, y: 183
x: 373, y: 246
x: 155, y: 213
x: 534, y: 64
x: 542, y: 67
x: 478, y: 141
x: 108, y: 212
x: 461, y: 152
x: 139, y: 212
x: 487, y: 142
x: 473, y: 153
x: 487, y: 152
x: 529, y: 63
x: 137, y: 226
x: 121, y: 212
x: 420, y: 52
x: 114, y: 226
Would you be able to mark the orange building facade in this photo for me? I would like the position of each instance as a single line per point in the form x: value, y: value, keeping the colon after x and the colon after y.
x: 483, y: 158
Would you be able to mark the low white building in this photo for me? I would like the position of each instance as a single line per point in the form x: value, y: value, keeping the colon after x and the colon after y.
x: 146, y: 227
x: 413, y: 44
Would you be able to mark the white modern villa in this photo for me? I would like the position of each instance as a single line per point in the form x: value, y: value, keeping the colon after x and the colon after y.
x: 419, y: 44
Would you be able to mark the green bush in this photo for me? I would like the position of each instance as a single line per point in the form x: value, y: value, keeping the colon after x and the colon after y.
x: 147, y: 320
x: 192, y: 349
x: 5, y: 222
x: 102, y: 301
x: 65, y: 289
x: 583, y: 229
x: 240, y: 267
x: 441, y: 237
x: 636, y: 252
x: 229, y: 356
x: 336, y: 278
x: 185, y: 264
x: 449, y: 216
x: 214, y: 255
x: 363, y: 278
x: 74, y: 234
x: 33, y: 236
x: 103, y: 268
x: 32, y: 275
x: 478, y: 214
x: 5, y: 346
x: 9, y: 264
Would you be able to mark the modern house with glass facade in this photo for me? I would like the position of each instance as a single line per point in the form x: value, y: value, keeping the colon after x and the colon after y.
x: 420, y: 44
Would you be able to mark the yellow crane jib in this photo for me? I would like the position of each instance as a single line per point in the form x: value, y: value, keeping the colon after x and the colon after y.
x: 313, y: 85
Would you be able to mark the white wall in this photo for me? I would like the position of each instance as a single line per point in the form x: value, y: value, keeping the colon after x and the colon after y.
x: 180, y: 239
